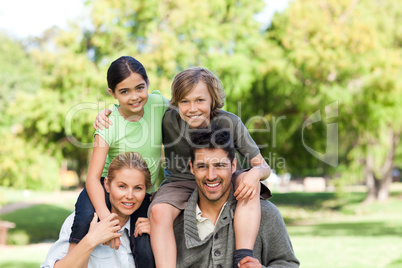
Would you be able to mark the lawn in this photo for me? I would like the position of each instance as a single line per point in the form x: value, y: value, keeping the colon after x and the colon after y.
x: 326, y: 231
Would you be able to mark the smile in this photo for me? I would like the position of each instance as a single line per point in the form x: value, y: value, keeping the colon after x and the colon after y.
x: 136, y: 104
x: 213, y: 185
x: 128, y: 205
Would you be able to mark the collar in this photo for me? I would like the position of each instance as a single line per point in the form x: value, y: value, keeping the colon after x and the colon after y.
x: 192, y: 238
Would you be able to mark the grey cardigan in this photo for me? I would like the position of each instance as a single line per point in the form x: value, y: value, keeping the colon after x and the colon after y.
x: 272, y: 248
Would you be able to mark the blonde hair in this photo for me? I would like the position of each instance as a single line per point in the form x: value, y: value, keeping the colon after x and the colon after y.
x: 129, y: 160
x: 186, y: 80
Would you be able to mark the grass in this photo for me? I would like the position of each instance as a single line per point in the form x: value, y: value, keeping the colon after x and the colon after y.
x: 330, y: 232
x: 326, y: 231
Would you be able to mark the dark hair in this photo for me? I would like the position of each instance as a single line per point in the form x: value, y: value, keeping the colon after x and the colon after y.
x: 122, y: 68
x: 212, y: 137
x: 130, y: 160
x: 186, y: 80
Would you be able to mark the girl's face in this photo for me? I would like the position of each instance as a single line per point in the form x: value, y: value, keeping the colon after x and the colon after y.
x: 127, y: 191
x: 132, y: 94
x: 195, y: 107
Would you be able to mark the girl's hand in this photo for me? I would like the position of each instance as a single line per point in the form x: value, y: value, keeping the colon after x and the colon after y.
x: 105, y: 230
x: 249, y: 262
x: 247, y: 185
x: 142, y: 226
x: 102, y: 120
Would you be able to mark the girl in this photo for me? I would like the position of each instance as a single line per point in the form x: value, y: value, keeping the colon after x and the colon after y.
x: 136, y: 127
x: 126, y: 183
x: 199, y: 95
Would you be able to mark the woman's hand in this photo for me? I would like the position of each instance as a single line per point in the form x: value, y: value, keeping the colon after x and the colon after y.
x: 104, y: 230
x: 102, y: 120
x: 142, y: 226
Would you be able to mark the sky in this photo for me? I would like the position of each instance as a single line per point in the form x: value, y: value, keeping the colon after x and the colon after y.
x: 25, y: 18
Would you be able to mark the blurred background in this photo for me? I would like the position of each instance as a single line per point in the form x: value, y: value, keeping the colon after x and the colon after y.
x: 318, y: 83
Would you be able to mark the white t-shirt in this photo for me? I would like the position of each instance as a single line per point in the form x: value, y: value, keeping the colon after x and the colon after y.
x: 101, y: 257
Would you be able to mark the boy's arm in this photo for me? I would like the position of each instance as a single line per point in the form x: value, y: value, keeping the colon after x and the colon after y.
x: 249, y: 181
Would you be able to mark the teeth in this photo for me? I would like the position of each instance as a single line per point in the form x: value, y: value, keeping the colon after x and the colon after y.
x: 195, y: 116
x: 212, y: 185
x: 128, y: 204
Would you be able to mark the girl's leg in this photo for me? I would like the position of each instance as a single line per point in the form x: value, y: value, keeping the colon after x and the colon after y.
x: 163, y: 241
x: 246, y: 225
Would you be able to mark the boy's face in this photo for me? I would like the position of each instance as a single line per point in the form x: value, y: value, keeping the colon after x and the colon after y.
x: 213, y: 173
x: 195, y: 107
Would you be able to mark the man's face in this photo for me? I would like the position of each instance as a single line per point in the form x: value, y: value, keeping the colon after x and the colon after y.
x: 213, y: 172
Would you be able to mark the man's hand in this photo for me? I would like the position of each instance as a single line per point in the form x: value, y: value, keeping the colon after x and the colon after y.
x: 249, y: 262
x: 102, y: 120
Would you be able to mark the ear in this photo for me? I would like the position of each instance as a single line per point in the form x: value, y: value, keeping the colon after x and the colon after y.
x: 191, y: 167
x: 106, y: 183
x: 234, y: 165
x: 111, y: 93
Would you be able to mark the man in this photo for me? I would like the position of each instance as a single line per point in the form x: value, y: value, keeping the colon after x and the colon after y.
x: 204, y: 232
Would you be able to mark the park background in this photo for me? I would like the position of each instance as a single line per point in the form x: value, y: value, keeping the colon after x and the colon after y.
x: 318, y: 85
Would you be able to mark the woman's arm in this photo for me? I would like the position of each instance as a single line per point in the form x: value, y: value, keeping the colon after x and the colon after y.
x: 248, y: 182
x: 99, y: 232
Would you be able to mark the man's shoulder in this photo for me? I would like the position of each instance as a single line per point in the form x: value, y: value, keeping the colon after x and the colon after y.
x: 269, y: 210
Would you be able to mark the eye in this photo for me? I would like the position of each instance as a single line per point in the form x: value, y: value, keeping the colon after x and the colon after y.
x: 140, y: 88
x: 123, y: 92
x: 220, y: 165
x: 122, y: 186
x: 200, y: 100
x: 138, y: 188
x: 184, y: 101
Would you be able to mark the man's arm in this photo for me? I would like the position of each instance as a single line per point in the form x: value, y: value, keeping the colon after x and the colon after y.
x: 273, y: 246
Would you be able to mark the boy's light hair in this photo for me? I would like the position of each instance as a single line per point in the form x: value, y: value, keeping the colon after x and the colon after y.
x: 186, y: 80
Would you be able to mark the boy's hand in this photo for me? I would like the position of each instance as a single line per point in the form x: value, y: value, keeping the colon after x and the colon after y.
x: 247, y: 185
x: 102, y: 120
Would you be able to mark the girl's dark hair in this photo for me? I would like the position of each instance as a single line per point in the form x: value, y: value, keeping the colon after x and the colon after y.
x: 122, y: 68
x: 129, y: 160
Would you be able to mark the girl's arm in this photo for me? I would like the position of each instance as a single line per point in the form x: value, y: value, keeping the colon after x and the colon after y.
x: 94, y: 187
x: 99, y: 232
x: 248, y: 182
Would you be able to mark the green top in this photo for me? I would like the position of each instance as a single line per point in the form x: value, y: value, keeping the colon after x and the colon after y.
x: 143, y: 136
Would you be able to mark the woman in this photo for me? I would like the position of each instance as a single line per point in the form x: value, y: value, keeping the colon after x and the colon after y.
x: 127, y: 181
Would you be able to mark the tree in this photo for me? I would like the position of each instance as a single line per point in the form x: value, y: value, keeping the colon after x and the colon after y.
x: 338, y: 51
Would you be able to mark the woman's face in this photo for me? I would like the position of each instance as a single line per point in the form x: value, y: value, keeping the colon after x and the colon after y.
x: 127, y: 191
x: 195, y: 107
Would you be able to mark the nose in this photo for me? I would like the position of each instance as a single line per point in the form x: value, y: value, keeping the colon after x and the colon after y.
x: 193, y: 107
x: 130, y: 194
x: 134, y: 96
x: 211, y: 173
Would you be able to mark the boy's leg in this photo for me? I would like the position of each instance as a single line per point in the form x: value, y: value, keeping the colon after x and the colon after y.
x: 163, y: 241
x: 247, y: 220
